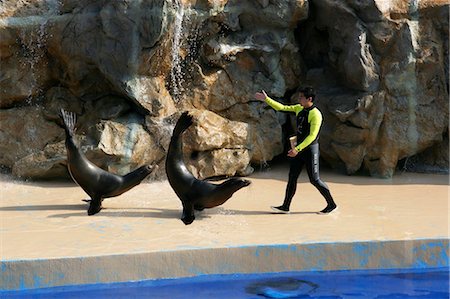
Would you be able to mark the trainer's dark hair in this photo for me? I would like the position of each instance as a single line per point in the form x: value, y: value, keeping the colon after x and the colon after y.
x: 308, y: 91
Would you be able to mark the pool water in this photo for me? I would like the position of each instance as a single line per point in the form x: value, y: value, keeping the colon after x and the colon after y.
x: 406, y: 283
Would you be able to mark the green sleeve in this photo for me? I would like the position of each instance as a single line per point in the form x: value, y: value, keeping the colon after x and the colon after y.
x: 315, y: 122
x: 286, y: 108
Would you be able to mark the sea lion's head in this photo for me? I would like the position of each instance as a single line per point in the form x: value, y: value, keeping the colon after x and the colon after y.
x: 237, y: 183
x: 146, y: 169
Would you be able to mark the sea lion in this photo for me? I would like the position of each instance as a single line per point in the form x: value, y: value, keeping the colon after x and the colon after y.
x: 194, y: 194
x: 96, y: 182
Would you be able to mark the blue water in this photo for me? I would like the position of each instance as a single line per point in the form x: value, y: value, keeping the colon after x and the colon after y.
x: 411, y: 283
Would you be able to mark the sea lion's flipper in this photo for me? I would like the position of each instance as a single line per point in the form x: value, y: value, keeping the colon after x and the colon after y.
x: 95, y: 206
x: 188, y: 213
x: 70, y: 120
x: 183, y: 123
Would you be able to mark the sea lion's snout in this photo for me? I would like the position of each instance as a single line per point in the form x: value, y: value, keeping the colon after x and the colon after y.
x: 152, y: 167
x: 246, y: 182
x: 238, y: 182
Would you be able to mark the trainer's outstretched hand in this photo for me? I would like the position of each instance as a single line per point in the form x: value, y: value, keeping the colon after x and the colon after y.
x: 261, y: 96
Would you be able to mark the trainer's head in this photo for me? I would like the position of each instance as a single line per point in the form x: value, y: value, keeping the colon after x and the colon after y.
x: 306, y: 96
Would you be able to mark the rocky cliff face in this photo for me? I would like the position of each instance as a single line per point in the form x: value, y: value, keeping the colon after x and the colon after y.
x: 128, y: 68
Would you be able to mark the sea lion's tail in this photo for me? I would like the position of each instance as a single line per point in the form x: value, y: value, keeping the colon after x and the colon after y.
x: 70, y: 120
x: 184, y: 122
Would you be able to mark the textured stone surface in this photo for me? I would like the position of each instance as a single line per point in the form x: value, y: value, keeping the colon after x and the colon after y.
x: 380, y: 69
x: 23, y: 132
x: 383, y: 55
x: 215, y: 145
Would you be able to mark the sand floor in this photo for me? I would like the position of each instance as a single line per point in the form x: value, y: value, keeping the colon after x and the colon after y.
x: 48, y: 220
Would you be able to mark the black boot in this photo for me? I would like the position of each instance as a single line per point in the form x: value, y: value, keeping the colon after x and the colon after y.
x: 329, y: 208
x: 280, y: 209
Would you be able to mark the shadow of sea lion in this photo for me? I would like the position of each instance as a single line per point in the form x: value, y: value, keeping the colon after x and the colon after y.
x: 44, y: 207
x: 107, y: 212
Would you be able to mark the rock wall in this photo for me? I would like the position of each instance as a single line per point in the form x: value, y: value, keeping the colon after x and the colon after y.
x: 128, y: 68
x: 382, y: 68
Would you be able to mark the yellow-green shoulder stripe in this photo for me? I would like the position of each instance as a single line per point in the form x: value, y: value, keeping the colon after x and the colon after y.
x: 315, y: 122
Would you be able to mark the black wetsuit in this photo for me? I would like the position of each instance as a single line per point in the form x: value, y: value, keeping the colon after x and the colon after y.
x: 309, y: 122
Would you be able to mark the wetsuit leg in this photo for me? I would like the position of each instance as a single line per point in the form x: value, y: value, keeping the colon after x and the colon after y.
x: 312, y: 167
x: 295, y: 169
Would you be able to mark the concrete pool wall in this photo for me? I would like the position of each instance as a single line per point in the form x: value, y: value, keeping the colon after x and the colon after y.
x: 30, y: 274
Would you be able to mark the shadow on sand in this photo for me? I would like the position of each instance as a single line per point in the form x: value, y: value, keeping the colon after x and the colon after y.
x: 138, y: 212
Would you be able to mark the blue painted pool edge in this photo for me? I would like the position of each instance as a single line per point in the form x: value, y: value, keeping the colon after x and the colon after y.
x: 141, y: 288
x: 393, y: 254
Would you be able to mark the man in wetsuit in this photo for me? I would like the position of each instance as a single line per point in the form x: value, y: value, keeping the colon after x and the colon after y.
x: 306, y: 152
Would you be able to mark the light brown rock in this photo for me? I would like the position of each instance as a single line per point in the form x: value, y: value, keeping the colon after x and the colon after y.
x: 380, y: 68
